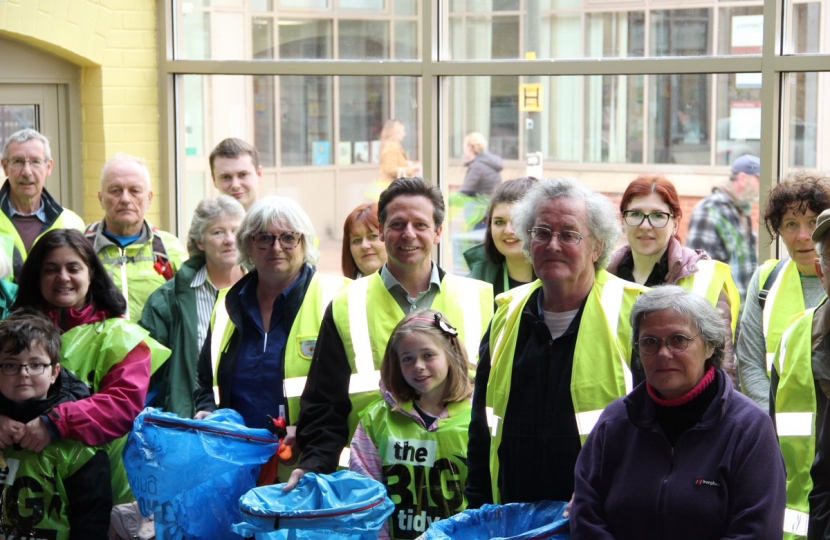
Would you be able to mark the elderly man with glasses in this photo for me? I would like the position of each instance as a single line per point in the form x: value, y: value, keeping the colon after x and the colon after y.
x: 557, y: 351
x: 28, y: 210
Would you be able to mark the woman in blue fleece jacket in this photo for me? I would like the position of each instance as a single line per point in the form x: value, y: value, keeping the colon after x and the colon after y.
x: 684, y: 455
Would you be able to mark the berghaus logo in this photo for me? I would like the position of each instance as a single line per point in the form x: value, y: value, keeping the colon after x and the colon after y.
x: 705, y: 482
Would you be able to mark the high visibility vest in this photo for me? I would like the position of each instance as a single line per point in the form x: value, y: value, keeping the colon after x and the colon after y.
x: 33, y: 492
x: 601, y: 364
x: 13, y: 243
x: 784, y: 300
x: 712, y: 278
x: 425, y: 471
x: 95, y: 348
x: 302, y: 339
x: 795, y: 420
x: 467, y: 304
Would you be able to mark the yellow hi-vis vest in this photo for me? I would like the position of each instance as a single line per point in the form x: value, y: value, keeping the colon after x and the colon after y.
x: 784, y: 300
x: 365, y: 313
x: 795, y: 420
x: 711, y: 278
x: 301, y: 339
x: 601, y: 364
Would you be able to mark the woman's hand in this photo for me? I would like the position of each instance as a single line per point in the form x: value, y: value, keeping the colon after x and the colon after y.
x: 8, y: 431
x: 567, y: 511
x: 296, y: 474
x: 33, y: 436
x: 201, y: 414
x: 290, y: 440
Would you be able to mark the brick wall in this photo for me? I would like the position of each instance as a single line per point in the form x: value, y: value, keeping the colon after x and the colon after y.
x: 114, y: 43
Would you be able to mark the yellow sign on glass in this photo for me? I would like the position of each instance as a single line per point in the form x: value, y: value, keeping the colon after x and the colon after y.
x: 530, y: 97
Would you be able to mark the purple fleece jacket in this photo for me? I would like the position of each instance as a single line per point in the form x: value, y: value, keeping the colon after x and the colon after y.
x: 723, y: 479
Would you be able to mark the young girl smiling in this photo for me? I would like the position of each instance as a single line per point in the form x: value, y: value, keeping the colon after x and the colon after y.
x: 414, y: 439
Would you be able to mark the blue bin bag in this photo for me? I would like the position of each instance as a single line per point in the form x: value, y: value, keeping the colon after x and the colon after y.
x: 514, y: 521
x: 191, y: 473
x: 343, y: 505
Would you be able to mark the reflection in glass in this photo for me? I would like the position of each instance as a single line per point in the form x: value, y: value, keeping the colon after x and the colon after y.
x: 305, y: 39
x: 738, y: 128
x: 801, y: 123
x: 679, y: 119
x: 741, y: 30
x: 363, y: 40
x: 805, y: 34
x: 16, y: 117
x: 614, y: 119
x: 681, y: 32
x: 615, y: 35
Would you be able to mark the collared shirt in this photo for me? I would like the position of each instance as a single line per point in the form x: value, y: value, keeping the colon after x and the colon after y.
x: 40, y: 213
x: 407, y: 303
x: 206, y: 295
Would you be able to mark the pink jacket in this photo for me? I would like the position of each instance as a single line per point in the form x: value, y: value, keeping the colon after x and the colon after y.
x: 682, y: 263
x: 109, y: 412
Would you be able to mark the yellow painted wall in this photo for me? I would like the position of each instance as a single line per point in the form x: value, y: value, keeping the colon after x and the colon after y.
x: 114, y: 43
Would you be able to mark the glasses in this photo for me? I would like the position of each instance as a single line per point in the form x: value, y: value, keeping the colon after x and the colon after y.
x: 675, y: 343
x: 11, y: 368
x: 266, y: 240
x: 543, y: 234
x: 19, y: 163
x: 635, y: 218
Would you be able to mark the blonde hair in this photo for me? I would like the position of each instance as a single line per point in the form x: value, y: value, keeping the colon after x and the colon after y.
x: 458, y: 385
x: 476, y: 141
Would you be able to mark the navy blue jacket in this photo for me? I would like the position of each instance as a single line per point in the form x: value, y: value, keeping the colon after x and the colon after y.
x: 723, y: 479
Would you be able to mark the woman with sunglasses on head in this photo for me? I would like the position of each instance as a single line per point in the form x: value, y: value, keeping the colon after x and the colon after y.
x: 650, y: 209
x: 261, y: 359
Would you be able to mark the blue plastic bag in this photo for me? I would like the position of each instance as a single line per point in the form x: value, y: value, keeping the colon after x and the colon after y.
x: 514, y: 521
x: 191, y: 473
x: 343, y: 505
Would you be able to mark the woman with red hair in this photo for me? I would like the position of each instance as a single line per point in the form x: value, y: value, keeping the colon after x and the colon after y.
x: 650, y: 211
x: 363, y: 251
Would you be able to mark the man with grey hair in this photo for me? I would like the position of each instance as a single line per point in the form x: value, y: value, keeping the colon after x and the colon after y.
x: 557, y: 351
x: 799, y: 390
x: 28, y: 210
x: 138, y: 256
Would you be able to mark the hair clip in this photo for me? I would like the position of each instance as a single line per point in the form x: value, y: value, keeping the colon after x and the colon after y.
x: 441, y: 323
x: 444, y: 326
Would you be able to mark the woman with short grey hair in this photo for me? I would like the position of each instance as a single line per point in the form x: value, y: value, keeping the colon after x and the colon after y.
x: 198, y: 288
x: 703, y: 457
x: 261, y: 360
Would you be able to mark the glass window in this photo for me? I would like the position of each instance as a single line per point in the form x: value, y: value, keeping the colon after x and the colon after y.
x: 805, y: 33
x: 619, y: 34
x: 741, y: 30
x: 325, y: 157
x: 803, y: 115
x: 738, y: 121
x: 16, y: 117
x: 248, y: 29
x: 681, y: 32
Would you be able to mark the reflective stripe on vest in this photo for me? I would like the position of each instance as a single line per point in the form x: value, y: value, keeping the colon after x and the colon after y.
x: 366, y: 377
x: 795, y: 418
x: 785, y: 299
x: 219, y: 320
x: 593, y: 385
x: 702, y: 278
x: 796, y: 522
x: 326, y: 288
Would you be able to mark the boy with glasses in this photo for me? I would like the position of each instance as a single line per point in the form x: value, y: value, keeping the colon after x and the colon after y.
x: 63, y: 490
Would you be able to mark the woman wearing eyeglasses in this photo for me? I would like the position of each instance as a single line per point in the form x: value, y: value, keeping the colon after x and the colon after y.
x: 178, y: 313
x: 684, y: 455
x: 275, y: 312
x: 650, y: 209
x: 64, y: 278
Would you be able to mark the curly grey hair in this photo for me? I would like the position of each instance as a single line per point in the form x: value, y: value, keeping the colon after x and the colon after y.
x: 602, y: 216
x: 706, y: 317
x: 286, y: 215
x: 208, y: 211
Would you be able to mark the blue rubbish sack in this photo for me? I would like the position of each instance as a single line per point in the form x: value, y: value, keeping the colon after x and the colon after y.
x: 514, y: 521
x: 191, y: 473
x: 343, y: 505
